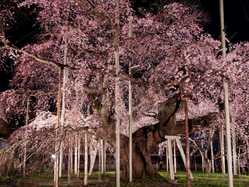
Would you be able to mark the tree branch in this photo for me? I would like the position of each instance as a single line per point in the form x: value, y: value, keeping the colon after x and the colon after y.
x: 6, y: 45
x: 151, y: 114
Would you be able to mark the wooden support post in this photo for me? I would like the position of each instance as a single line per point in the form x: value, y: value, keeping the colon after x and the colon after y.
x: 61, y: 160
x: 179, y: 146
x: 212, y: 156
x: 75, y: 154
x: 93, y: 155
x: 117, y: 154
x: 71, y: 155
x: 174, y: 146
x: 225, y: 84
x: 57, y: 131
x: 222, y: 150
x: 69, y: 171
x: 130, y: 108
x: 78, y: 161
x: 62, y: 117
x: 247, y: 150
x: 203, y: 163
x: 239, y: 170
x: 102, y: 155
x: 223, y: 43
x: 228, y: 136
x: 56, y: 166
x: 210, y: 139
x: 234, y: 151
x: 99, y: 160
x: 130, y: 133
x: 117, y: 90
x: 171, y: 164
x: 187, y: 144
x: 167, y: 157
x: 25, y: 138
x: 86, y: 159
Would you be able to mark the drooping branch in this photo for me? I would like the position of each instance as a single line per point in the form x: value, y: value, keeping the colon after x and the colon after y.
x: 7, y: 45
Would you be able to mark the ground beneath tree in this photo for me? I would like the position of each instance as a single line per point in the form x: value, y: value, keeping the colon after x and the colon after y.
x: 108, y: 180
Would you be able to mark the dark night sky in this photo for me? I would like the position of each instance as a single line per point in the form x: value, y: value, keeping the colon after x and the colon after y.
x: 25, y: 28
x: 236, y: 18
x: 236, y: 15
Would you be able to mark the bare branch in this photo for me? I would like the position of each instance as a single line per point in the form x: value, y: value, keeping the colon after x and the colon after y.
x: 151, y: 114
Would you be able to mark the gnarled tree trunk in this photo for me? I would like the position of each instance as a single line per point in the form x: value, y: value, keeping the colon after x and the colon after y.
x: 146, y: 139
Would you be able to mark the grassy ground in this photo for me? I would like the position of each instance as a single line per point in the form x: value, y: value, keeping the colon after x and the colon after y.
x: 108, y: 180
x: 209, y: 180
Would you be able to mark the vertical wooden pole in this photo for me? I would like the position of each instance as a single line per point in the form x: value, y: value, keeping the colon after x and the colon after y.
x: 130, y: 107
x: 225, y: 84
x: 228, y: 136
x: 247, y: 148
x: 222, y: 28
x: 56, y: 172
x: 93, y: 155
x: 78, y: 161
x: 117, y: 90
x: 99, y: 160
x: 174, y: 146
x: 234, y: 151
x: 212, y: 155
x: 118, y: 153
x: 58, y: 126
x: 187, y: 143
x: 223, y: 43
x: 171, y: 165
x: 62, y: 114
x: 56, y: 167
x: 57, y: 131
x: 60, y: 159
x: 25, y: 137
x: 104, y: 149
x: 69, y: 161
x: 85, y: 159
x: 222, y: 150
x: 102, y: 155
x: 75, y: 154
x: 203, y: 163
x: 63, y: 97
x: 71, y: 154
x: 179, y: 145
x: 167, y: 157
x: 239, y: 162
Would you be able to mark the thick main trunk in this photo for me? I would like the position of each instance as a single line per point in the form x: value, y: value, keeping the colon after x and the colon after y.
x: 146, y: 139
x: 142, y: 147
x: 145, y: 142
